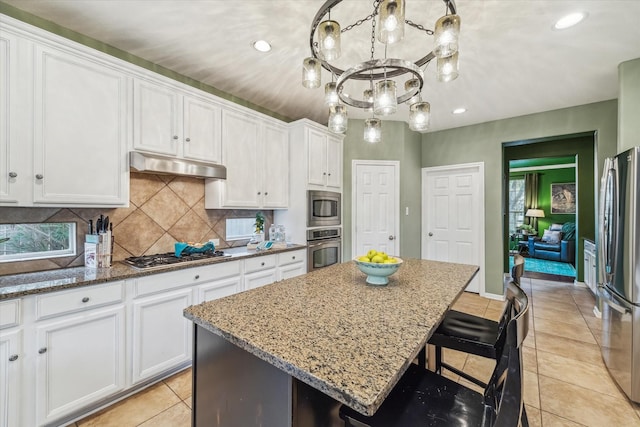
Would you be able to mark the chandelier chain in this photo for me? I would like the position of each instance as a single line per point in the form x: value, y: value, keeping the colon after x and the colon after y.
x: 419, y: 27
x: 376, y: 3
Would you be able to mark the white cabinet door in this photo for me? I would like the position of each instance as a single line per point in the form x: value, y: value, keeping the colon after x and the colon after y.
x: 316, y: 157
x: 292, y: 270
x: 219, y: 289
x: 259, y: 278
x: 334, y: 163
x: 80, y: 130
x: 14, y: 151
x: 202, y: 139
x: 276, y: 167
x: 156, y: 110
x: 161, y: 334
x: 80, y: 360
x: 11, y: 361
x: 240, y: 139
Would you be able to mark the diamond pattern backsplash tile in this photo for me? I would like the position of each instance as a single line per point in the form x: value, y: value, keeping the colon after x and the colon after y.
x: 163, y: 210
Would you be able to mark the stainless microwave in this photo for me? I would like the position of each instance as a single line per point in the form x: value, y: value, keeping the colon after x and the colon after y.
x: 323, y: 208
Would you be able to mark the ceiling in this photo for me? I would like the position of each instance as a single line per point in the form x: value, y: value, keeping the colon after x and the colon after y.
x: 512, y: 62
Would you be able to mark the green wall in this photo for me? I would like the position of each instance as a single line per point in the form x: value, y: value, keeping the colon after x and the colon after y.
x: 629, y: 104
x: 484, y: 143
x: 398, y: 143
x: 582, y: 147
x: 546, y: 177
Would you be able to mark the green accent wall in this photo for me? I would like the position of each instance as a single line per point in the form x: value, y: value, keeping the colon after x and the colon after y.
x: 583, y: 147
x: 546, y: 177
x: 398, y: 143
x: 484, y: 143
x: 54, y: 28
x: 629, y: 104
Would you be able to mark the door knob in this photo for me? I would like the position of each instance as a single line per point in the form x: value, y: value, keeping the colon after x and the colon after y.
x: 12, y: 174
x: 392, y: 237
x: 430, y: 234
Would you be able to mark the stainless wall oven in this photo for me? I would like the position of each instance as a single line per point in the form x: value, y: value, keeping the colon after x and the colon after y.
x: 324, y: 248
x: 323, y: 208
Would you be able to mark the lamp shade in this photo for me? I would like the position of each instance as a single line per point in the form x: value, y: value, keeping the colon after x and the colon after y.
x: 535, y: 213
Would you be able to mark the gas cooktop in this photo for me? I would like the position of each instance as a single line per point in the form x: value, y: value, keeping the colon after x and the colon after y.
x: 147, y: 262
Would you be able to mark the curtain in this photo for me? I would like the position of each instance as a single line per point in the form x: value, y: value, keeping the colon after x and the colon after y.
x: 531, y: 196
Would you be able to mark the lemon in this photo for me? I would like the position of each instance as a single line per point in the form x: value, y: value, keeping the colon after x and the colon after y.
x: 391, y: 260
x: 372, y: 253
x: 377, y: 259
x: 364, y: 258
x: 383, y: 255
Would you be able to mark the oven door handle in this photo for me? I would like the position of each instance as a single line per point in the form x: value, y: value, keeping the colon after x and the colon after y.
x: 321, y: 242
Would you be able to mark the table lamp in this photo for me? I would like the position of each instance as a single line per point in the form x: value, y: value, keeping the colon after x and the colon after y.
x: 535, y: 214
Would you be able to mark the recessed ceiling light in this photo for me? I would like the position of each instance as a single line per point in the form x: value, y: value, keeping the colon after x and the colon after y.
x: 459, y: 110
x: 262, y: 46
x: 569, y: 20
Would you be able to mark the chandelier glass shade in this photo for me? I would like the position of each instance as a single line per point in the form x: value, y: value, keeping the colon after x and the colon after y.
x: 338, y: 119
x: 373, y: 130
x: 385, y: 92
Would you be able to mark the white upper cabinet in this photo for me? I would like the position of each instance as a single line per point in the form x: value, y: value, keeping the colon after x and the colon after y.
x: 324, y: 158
x: 80, y: 130
x: 175, y: 123
x: 64, y: 117
x: 13, y: 168
x: 255, y: 151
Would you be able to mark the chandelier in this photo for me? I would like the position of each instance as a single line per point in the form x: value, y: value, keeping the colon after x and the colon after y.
x: 381, y: 97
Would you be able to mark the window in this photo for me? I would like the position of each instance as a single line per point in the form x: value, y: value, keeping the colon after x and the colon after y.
x: 22, y: 242
x: 516, y: 204
x: 240, y: 228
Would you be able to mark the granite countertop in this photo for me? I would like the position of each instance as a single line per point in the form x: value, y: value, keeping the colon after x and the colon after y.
x: 18, y: 285
x: 331, y: 330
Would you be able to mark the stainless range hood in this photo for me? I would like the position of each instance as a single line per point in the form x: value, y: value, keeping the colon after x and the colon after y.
x: 153, y: 163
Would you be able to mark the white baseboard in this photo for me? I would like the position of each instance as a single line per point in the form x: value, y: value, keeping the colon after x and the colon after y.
x: 497, y: 297
x: 596, y: 312
x: 579, y: 284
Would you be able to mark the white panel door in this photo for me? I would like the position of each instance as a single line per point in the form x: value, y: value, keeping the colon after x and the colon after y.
x: 275, y: 180
x: 155, y: 118
x: 80, y: 130
x: 202, y: 131
x: 452, y: 217
x: 11, y: 362
x: 80, y: 361
x: 376, y: 207
x: 317, y: 158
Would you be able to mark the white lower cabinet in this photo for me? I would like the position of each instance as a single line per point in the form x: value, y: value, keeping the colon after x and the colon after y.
x: 590, y: 273
x: 259, y: 271
x: 161, y: 334
x: 11, y: 363
x: 292, y: 264
x: 65, y: 353
x: 80, y: 360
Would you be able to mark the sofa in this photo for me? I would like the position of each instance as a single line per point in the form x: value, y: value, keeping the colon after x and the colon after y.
x: 558, y: 243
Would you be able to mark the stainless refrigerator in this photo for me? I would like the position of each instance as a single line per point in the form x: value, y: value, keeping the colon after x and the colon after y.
x: 619, y: 269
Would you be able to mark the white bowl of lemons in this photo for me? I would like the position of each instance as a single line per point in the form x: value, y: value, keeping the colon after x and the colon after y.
x: 378, y: 266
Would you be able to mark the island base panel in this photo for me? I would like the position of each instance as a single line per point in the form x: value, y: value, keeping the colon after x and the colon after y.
x: 231, y: 387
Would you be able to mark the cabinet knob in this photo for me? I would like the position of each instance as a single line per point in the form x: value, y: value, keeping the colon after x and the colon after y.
x: 329, y: 174
x: 266, y: 194
x: 262, y: 264
x: 85, y: 299
x: 324, y: 173
x: 39, y: 176
x: 13, y: 358
x: 259, y: 193
x: 197, y: 277
x: 188, y: 139
x: 175, y: 136
x: 293, y: 257
x: 12, y: 174
x: 43, y: 350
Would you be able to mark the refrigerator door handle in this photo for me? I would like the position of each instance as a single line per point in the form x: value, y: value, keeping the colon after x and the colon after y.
x: 620, y: 309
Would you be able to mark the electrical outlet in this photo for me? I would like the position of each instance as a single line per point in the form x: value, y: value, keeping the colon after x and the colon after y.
x: 216, y: 242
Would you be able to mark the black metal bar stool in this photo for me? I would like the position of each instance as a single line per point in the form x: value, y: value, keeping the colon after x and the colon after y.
x: 424, y: 398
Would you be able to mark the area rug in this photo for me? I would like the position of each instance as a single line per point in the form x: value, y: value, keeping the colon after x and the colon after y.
x: 547, y: 267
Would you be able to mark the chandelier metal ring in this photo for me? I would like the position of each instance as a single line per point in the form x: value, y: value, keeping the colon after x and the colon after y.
x: 324, y: 10
x: 400, y: 66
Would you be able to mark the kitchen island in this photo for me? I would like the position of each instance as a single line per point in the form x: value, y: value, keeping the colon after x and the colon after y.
x: 264, y: 357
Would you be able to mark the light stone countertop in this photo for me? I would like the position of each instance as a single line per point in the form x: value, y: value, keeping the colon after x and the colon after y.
x: 329, y: 329
x: 18, y: 285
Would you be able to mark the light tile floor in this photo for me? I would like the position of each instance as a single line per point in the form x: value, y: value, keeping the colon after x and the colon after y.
x: 566, y: 383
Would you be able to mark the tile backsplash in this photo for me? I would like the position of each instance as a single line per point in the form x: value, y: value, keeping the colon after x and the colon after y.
x: 162, y: 210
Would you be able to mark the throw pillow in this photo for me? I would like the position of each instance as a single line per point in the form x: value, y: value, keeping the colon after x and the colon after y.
x: 554, y: 237
x: 555, y: 227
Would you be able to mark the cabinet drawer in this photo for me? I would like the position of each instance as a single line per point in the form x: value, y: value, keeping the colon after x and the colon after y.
x: 10, y: 313
x: 292, y: 257
x: 259, y: 263
x: 589, y: 246
x: 191, y: 276
x: 64, y: 302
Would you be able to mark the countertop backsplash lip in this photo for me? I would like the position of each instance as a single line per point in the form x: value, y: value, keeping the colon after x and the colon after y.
x: 23, y: 284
